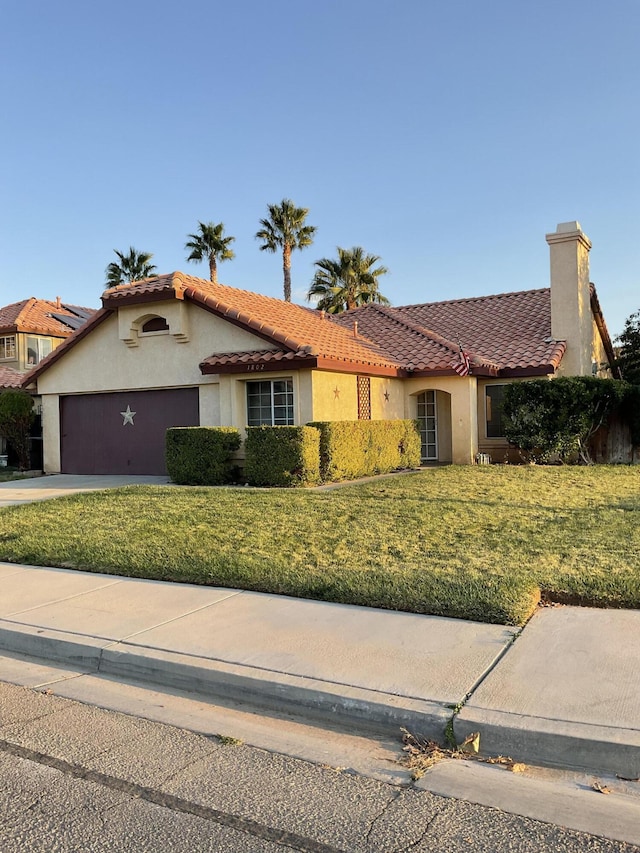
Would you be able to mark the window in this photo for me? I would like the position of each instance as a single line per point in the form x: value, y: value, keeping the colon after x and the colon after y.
x: 364, y: 398
x: 8, y: 347
x: 494, y: 398
x: 428, y: 422
x: 37, y: 348
x: 270, y: 403
x: 155, y: 324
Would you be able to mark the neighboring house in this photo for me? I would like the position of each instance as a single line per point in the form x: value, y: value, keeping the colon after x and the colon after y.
x: 175, y: 350
x: 29, y: 331
x: 32, y: 328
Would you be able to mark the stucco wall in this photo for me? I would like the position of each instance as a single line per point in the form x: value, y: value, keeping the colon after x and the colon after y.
x: 104, y: 362
x: 463, y: 414
x: 335, y: 397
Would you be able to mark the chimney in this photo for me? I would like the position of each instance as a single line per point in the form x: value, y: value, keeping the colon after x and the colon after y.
x: 571, y: 318
x: 58, y: 303
x: 355, y: 328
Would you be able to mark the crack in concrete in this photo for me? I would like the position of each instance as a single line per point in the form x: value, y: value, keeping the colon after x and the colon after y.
x: 427, y: 829
x: 383, y: 811
x: 237, y: 823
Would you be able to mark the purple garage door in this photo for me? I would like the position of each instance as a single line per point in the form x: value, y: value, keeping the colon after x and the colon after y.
x: 122, y: 433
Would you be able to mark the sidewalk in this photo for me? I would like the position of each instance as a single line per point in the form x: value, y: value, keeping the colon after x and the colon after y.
x: 565, y: 692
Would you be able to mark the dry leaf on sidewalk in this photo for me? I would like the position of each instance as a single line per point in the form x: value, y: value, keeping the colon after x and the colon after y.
x: 471, y: 743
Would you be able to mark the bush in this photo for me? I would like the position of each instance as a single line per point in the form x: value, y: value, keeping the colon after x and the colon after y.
x: 351, y: 449
x: 630, y: 409
x: 282, y: 456
x: 557, y: 418
x: 201, y: 456
x: 16, y: 417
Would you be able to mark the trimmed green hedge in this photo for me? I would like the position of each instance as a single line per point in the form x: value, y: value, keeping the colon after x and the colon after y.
x: 282, y: 456
x: 352, y: 449
x: 201, y: 456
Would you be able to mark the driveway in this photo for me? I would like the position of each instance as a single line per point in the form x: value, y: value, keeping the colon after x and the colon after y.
x: 56, y: 485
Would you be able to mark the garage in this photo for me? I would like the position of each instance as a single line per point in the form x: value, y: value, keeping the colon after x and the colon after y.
x: 122, y: 432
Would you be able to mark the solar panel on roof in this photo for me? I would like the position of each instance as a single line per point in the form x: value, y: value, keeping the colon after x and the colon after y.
x: 79, y: 312
x: 71, y: 322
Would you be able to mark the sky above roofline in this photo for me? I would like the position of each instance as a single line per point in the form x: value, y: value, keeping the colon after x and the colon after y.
x: 445, y: 138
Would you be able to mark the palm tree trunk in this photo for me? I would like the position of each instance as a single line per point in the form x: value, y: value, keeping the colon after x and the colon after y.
x: 286, y: 269
x: 213, y: 269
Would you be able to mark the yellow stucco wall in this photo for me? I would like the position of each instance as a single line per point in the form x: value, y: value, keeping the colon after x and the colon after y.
x: 457, y: 421
x: 335, y: 397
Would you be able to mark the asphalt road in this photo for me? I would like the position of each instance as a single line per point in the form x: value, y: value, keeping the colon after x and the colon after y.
x: 78, y: 778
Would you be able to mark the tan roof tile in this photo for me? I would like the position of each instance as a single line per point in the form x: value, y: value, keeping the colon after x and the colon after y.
x: 10, y: 378
x: 37, y: 315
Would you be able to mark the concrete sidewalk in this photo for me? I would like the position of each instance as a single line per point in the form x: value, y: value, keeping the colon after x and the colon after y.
x: 566, y: 692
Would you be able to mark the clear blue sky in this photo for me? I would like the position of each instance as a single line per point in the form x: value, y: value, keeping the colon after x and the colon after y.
x: 446, y: 137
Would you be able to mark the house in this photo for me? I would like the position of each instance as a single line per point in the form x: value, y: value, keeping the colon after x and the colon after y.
x: 175, y: 350
x: 32, y: 328
x: 29, y: 331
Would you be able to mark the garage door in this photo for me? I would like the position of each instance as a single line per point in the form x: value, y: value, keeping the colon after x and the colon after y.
x: 122, y: 433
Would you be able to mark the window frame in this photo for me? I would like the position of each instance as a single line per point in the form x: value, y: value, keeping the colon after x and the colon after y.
x: 488, y: 410
x: 41, y: 343
x: 260, y: 394
x: 4, y: 339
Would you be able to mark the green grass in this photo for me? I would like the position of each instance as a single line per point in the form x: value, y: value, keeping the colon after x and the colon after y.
x: 478, y: 543
x: 7, y: 474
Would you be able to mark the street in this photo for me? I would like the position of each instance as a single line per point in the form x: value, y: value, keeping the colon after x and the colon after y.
x: 78, y: 778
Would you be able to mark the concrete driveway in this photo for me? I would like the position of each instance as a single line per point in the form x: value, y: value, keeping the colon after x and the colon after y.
x: 56, y: 485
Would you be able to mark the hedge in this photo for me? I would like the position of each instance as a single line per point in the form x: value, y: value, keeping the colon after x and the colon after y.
x: 351, y: 449
x: 201, y: 456
x: 282, y: 456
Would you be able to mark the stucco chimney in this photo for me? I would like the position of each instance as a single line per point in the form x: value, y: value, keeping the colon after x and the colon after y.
x: 571, y: 319
x: 58, y: 303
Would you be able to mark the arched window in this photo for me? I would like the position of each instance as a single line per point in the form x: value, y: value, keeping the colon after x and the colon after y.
x: 155, y: 324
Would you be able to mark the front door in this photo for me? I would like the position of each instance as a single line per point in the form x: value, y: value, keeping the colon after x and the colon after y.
x: 428, y: 421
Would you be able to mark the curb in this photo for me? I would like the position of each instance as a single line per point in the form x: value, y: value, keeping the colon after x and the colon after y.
x: 553, y: 743
x: 261, y: 689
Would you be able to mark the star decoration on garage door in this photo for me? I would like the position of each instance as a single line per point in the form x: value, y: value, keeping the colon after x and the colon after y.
x: 128, y: 417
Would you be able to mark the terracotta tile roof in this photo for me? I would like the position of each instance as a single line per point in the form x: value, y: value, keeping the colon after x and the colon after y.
x: 10, y: 378
x: 37, y: 316
x: 304, y: 332
x: 508, y: 333
x: 505, y: 332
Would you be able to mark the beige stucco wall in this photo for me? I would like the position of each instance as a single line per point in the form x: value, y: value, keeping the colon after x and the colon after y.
x: 115, y: 357
x: 571, y: 315
x: 104, y: 362
x: 463, y: 414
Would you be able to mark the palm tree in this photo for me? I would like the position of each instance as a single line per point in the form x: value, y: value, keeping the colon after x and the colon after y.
x: 347, y: 282
x: 210, y: 243
x: 132, y: 267
x: 285, y: 229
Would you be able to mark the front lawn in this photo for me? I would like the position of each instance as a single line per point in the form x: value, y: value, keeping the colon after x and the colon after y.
x: 478, y: 543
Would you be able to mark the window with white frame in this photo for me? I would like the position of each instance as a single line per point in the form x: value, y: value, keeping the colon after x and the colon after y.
x: 428, y: 424
x: 7, y: 347
x: 270, y: 403
x: 37, y: 349
x: 494, y: 399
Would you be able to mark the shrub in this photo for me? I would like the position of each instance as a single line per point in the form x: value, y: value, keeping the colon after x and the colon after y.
x: 201, y: 456
x: 282, y: 456
x: 557, y: 418
x: 351, y: 449
x: 16, y: 417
